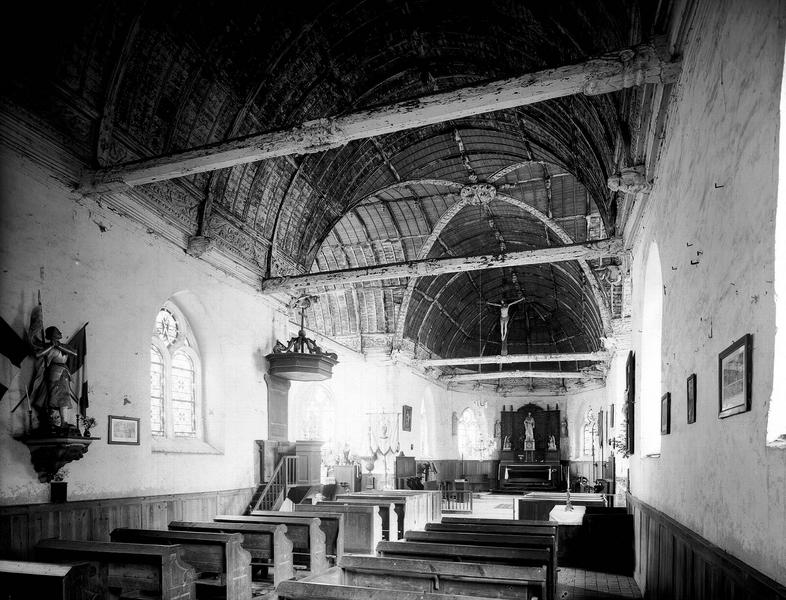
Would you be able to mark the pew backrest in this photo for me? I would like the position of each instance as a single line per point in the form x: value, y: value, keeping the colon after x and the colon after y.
x: 392, y: 528
x: 308, y: 539
x: 302, y: 590
x: 267, y: 544
x: 498, y: 581
x: 148, y: 567
x: 362, y: 524
x: 332, y: 524
x: 21, y: 579
x: 216, y: 554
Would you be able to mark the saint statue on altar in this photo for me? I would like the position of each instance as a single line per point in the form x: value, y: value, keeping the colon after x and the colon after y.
x: 529, y: 428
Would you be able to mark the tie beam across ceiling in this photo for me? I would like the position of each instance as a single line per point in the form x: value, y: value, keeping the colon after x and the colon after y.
x: 438, y: 266
x: 610, y: 72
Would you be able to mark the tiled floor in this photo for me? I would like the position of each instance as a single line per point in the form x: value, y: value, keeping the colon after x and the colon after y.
x: 572, y: 584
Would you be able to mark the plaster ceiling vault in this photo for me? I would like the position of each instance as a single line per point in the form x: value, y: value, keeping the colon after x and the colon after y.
x: 134, y: 82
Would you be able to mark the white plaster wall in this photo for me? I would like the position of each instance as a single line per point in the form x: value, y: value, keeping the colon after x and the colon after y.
x: 91, y: 265
x: 715, y: 194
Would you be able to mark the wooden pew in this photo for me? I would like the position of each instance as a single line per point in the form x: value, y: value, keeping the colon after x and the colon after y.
x: 362, y: 524
x: 308, y: 539
x: 21, y: 580
x: 218, y: 558
x: 304, y: 590
x: 412, y: 511
x: 392, y: 528
x: 501, y: 540
x: 433, y: 499
x: 133, y: 568
x: 267, y: 544
x: 332, y: 524
x: 515, y: 527
x: 497, y: 581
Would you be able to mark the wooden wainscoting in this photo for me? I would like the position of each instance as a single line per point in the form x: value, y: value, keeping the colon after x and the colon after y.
x: 22, y: 526
x: 674, y: 563
x: 450, y: 470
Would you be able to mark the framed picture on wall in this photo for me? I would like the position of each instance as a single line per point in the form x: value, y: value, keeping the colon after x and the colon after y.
x: 611, y: 416
x: 406, y: 418
x: 691, y: 395
x: 123, y: 430
x: 665, y: 414
x: 735, y: 370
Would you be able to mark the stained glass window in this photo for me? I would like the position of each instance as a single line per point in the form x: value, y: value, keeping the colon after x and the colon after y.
x: 156, y: 391
x: 183, y: 400
x: 174, y: 377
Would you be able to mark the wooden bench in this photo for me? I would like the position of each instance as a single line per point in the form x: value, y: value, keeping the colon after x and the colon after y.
x: 362, y: 524
x: 138, y: 570
x: 433, y: 499
x: 392, y: 528
x: 514, y: 527
x: 497, y: 581
x: 219, y: 559
x: 500, y: 540
x: 539, y: 556
x: 21, y: 580
x: 413, y: 508
x: 306, y: 590
x: 267, y: 545
x: 308, y: 539
x: 332, y: 524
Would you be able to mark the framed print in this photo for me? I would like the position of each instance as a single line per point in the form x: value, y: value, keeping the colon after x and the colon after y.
x: 665, y: 414
x: 735, y: 370
x: 123, y: 430
x: 691, y: 395
x: 406, y: 418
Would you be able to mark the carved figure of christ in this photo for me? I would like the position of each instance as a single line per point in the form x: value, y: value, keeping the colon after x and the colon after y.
x: 504, y: 315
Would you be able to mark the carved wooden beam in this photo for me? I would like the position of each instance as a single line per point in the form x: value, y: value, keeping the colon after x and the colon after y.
x: 510, y: 358
x: 607, y: 73
x: 438, y: 266
x: 589, y: 374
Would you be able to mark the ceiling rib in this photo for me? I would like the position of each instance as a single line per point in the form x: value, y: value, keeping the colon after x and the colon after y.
x: 610, y: 72
x: 511, y: 358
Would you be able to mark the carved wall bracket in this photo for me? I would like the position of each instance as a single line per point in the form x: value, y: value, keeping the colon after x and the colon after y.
x: 50, y: 454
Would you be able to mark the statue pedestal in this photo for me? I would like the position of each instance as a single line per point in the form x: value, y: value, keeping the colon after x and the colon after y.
x: 529, y: 445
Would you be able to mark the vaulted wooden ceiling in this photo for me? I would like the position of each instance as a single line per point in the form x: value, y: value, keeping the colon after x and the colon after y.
x: 130, y: 81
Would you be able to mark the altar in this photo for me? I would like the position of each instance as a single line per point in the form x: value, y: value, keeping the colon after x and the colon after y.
x: 529, y: 452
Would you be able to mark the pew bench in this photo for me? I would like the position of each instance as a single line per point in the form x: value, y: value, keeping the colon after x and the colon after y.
x: 332, y: 524
x: 413, y: 509
x: 136, y: 570
x: 433, y: 499
x: 392, y: 528
x: 219, y: 559
x: 306, y: 590
x: 308, y: 539
x: 268, y: 545
x: 20, y: 580
x: 362, y: 524
x: 474, y: 579
x: 499, y: 540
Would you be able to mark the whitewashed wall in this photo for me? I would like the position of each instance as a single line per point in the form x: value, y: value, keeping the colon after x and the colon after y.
x: 715, y: 194
x: 91, y: 265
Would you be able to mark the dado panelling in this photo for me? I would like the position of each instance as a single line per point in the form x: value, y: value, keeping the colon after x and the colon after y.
x: 22, y: 526
x: 674, y: 563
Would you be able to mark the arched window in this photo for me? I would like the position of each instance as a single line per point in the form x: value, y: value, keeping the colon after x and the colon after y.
x: 588, y: 433
x: 469, y: 436
x: 175, y: 379
x: 651, y: 331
